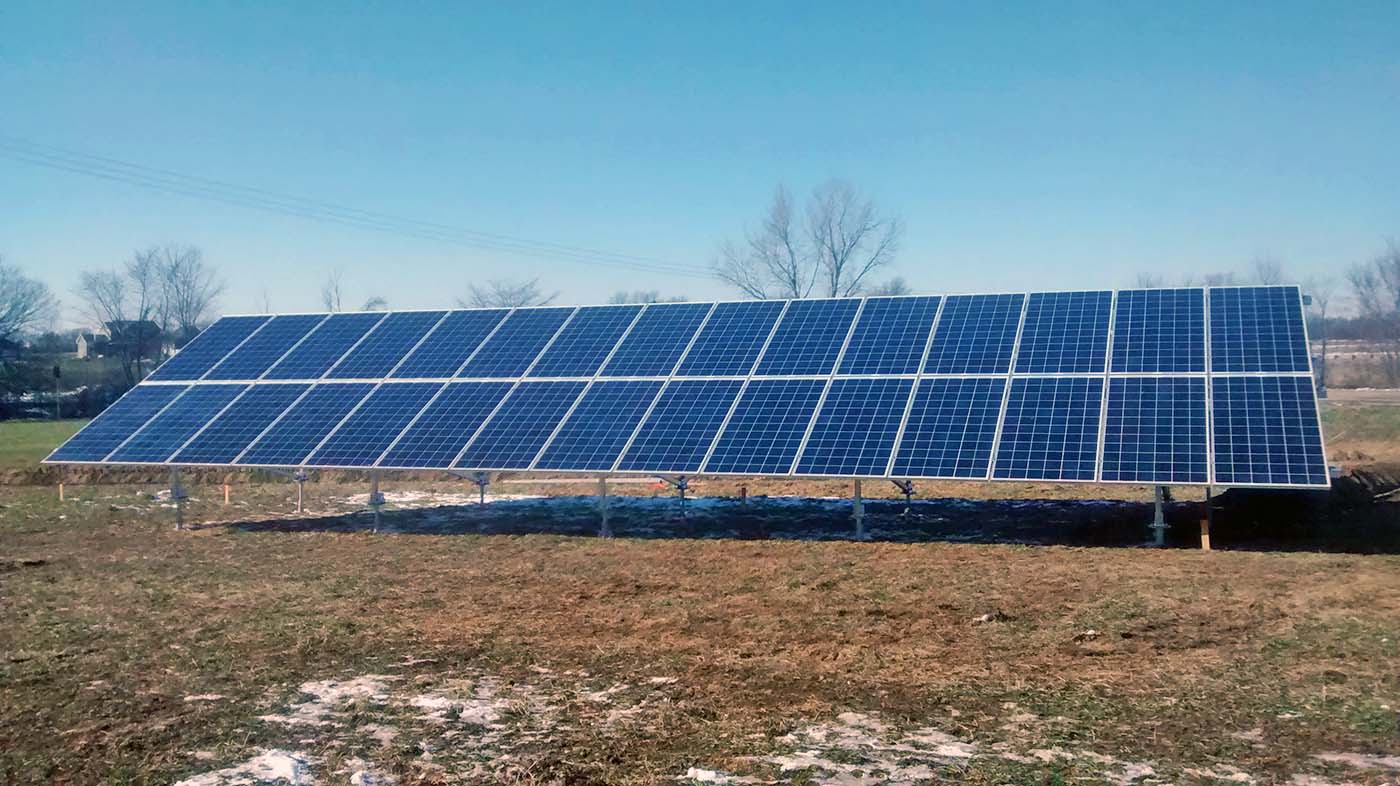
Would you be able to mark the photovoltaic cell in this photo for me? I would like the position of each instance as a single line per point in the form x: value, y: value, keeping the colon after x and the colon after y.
x: 324, y: 346
x: 730, y: 342
x: 657, y: 340
x: 809, y: 338
x: 258, y: 353
x: 952, y: 425
x: 599, y: 426
x: 1051, y: 429
x: 890, y: 335
x: 381, y: 350
x: 116, y: 423
x: 1159, y: 330
x: 585, y: 342
x: 289, y: 441
x: 446, y: 425
x: 1064, y: 333
x: 516, y: 343
x: 1257, y: 329
x: 766, y: 429
x: 1155, y: 431
x: 682, y: 426
x: 207, y: 348
x: 166, y: 432
x: 855, y: 431
x: 239, y: 425
x: 514, y: 435
x: 975, y: 335
x: 1266, y: 431
x: 364, y: 436
x: 450, y: 344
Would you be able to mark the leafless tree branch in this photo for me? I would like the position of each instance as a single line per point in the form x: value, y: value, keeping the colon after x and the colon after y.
x: 24, y: 302
x: 506, y: 294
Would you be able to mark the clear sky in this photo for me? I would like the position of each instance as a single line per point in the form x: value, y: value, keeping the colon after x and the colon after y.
x: 1025, y: 145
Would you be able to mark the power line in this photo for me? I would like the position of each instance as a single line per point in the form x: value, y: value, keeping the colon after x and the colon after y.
x: 169, y: 181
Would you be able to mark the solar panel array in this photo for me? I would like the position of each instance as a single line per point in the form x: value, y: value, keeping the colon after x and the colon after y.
x: 1187, y: 386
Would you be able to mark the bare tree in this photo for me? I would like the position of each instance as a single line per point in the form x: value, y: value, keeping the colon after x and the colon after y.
x: 1211, y: 280
x: 1149, y: 281
x: 330, y: 291
x: 189, y: 289
x: 1375, y: 285
x: 127, y: 303
x: 1266, y: 270
x: 506, y: 294
x: 643, y: 296
x: 25, y: 302
x: 895, y: 286
x: 842, y: 239
x: 375, y: 303
x: 265, y: 301
x: 1322, y: 290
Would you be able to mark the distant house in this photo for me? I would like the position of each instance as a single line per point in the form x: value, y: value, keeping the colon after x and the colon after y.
x: 122, y: 337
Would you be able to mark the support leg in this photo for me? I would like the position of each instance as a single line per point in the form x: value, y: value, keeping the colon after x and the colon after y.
x: 1159, y: 522
x: 482, y: 480
x: 177, y: 495
x: 858, y: 511
x: 906, y: 487
x: 376, y: 500
x: 1206, y: 517
x: 300, y: 478
x: 605, y: 531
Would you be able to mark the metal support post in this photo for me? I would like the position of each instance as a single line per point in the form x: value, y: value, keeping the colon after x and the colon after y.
x: 858, y: 511
x: 605, y: 531
x: 744, y: 496
x: 177, y: 495
x: 1159, y: 521
x: 482, y: 480
x: 907, y: 488
x: 300, y: 478
x: 376, y: 500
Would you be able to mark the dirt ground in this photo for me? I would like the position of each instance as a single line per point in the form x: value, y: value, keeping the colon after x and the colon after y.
x: 722, y: 642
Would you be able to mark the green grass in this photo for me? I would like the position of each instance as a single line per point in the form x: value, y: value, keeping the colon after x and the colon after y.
x: 1379, y: 423
x: 24, y: 443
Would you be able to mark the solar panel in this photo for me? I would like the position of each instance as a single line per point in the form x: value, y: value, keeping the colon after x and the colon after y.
x: 976, y: 334
x: 585, y: 342
x: 166, y: 432
x: 228, y: 434
x: 681, y: 427
x: 766, y: 428
x: 259, y: 352
x: 369, y: 430
x: 599, y: 427
x: 117, y: 423
x: 381, y: 350
x: 730, y: 342
x: 855, y: 431
x: 809, y: 338
x: 1257, y: 329
x: 1160, y: 330
x: 516, y: 343
x: 1001, y: 387
x: 207, y: 348
x: 1156, y: 430
x: 325, y: 345
x: 513, y: 436
x: 450, y: 344
x: 1050, y: 430
x: 1064, y: 333
x: 1266, y: 431
x: 890, y: 335
x: 951, y: 428
x: 445, y: 426
x: 291, y: 439
x: 657, y: 340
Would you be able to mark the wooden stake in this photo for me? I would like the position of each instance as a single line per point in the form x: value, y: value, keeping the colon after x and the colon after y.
x: 60, y: 491
x: 225, y: 493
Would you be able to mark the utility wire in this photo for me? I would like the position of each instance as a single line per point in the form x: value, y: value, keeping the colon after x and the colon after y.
x: 169, y: 181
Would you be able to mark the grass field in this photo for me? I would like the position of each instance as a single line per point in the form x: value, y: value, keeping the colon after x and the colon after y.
x: 723, y: 646
x: 24, y: 443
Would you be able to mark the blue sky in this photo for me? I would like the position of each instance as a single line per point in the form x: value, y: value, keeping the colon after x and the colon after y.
x: 1024, y: 145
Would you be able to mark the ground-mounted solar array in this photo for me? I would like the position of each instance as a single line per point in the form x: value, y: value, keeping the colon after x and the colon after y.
x: 1181, y: 386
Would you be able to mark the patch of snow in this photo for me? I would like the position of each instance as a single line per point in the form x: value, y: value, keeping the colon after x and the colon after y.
x: 698, y: 775
x: 1361, y: 761
x: 269, y: 765
x: 328, y: 696
x: 204, y: 697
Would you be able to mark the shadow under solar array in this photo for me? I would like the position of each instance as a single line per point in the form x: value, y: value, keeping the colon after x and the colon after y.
x: 1183, y: 386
